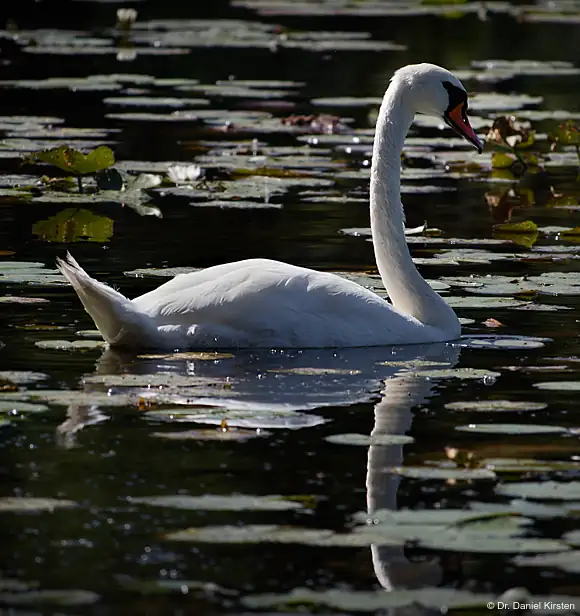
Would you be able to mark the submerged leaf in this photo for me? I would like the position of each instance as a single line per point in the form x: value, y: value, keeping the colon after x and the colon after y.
x: 74, y: 225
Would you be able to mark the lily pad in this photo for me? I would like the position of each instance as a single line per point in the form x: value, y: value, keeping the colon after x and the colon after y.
x: 442, y: 474
x: 253, y: 417
x: 559, y: 385
x: 64, y: 397
x: 366, y: 440
x: 22, y: 504
x: 519, y: 429
x: 210, y: 502
x: 545, y: 490
x: 231, y: 434
x: 22, y: 377
x: 563, y: 561
x: 17, y: 407
x: 67, y: 345
x: 51, y: 597
x: 75, y: 162
x: 190, y: 356
x: 457, y: 373
x: 488, y: 406
x: 306, y: 371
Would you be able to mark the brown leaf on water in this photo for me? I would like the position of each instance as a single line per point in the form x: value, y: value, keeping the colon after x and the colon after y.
x: 493, y: 323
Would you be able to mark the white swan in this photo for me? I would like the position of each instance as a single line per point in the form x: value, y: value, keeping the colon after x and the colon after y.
x: 260, y: 303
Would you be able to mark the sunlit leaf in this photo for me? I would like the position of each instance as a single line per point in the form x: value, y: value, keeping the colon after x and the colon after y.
x: 499, y: 160
x: 74, y: 225
x: 75, y: 162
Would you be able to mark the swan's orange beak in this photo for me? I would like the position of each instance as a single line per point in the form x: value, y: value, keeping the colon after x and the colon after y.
x: 457, y: 119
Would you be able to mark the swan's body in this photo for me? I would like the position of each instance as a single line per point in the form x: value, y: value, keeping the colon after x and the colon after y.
x: 260, y: 303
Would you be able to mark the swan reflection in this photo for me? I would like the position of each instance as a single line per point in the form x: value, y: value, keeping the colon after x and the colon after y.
x: 294, y: 397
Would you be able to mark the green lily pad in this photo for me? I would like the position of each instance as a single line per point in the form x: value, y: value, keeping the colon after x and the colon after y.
x: 159, y: 379
x: 502, y: 343
x: 546, y: 490
x: 572, y: 538
x: 305, y: 371
x: 67, y: 345
x: 210, y: 502
x: 16, y: 407
x: 442, y: 474
x: 22, y: 377
x: 21, y: 504
x: 64, y: 397
x: 75, y: 162
x: 366, y: 440
x: 457, y: 373
x: 231, y: 434
x: 520, y: 429
x: 18, y: 299
x: 51, y: 597
x: 487, y: 406
x: 155, y: 101
x: 511, y: 465
x: 559, y: 385
x: 483, y: 543
x: 254, y: 418
x: 351, y: 601
x: 489, y: 303
x: 563, y: 561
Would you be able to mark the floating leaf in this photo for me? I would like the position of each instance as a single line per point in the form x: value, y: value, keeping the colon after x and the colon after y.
x: 314, y: 371
x: 366, y: 440
x: 457, y: 373
x: 545, y: 490
x: 563, y: 561
x: 232, y: 434
x: 22, y: 377
x: 499, y: 160
x: 520, y: 429
x: 67, y: 345
x: 189, y: 356
x: 442, y: 474
x: 16, y: 407
x: 21, y: 504
x: 210, y: 502
x: 527, y: 226
x: 487, y: 406
x: 50, y: 597
x: 559, y: 385
x: 75, y: 162
x: 351, y: 601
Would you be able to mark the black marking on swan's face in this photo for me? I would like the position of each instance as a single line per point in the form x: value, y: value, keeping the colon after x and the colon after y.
x: 455, y: 115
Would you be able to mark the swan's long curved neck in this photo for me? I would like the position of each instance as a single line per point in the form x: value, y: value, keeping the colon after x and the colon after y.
x: 407, y: 289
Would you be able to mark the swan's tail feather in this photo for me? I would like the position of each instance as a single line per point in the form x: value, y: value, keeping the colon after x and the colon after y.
x: 114, y: 315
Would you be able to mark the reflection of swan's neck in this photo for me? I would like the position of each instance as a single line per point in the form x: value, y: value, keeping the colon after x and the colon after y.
x: 393, y: 416
x: 407, y: 289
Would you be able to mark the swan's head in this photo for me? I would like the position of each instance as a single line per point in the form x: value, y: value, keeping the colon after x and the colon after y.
x: 437, y: 92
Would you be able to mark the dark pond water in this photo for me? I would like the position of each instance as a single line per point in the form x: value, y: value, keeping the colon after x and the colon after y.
x: 120, y: 491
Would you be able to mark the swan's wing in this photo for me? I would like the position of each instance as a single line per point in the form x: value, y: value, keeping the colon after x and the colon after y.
x: 247, y: 291
x: 271, y: 303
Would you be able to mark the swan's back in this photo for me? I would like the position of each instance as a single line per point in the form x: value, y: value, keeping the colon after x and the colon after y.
x: 260, y: 302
